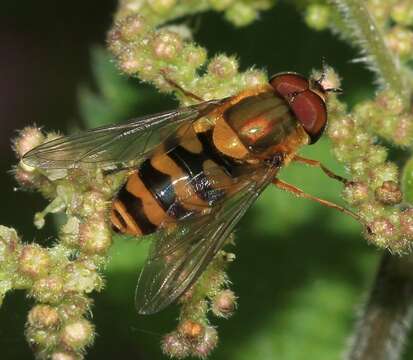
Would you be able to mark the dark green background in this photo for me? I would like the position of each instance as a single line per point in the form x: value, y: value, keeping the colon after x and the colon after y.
x: 301, y: 270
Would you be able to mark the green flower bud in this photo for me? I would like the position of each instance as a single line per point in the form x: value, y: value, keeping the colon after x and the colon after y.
x: 34, y: 261
x: 166, y: 45
x: 94, y: 203
x: 241, y: 14
x: 95, y: 236
x: 48, y: 289
x: 223, y: 66
x: 191, y: 330
x: 129, y: 63
x: 131, y: 28
x: 382, y: 232
x: 82, y: 277
x: 224, y: 303
x: 77, y: 335
x: 175, y: 346
x: 253, y: 77
x: 43, y: 317
x: 193, y: 55
x: 208, y: 343
x: 41, y: 339
x: 388, y: 193
x: 317, y: 16
x: 28, y: 138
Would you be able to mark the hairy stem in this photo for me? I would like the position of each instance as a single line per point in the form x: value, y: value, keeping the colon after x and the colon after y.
x: 369, y: 37
x: 382, y: 330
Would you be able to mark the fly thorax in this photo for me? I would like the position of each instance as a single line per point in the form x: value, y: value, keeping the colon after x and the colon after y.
x: 261, y: 122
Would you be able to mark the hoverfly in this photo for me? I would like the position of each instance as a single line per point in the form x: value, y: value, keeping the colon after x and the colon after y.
x: 199, y: 169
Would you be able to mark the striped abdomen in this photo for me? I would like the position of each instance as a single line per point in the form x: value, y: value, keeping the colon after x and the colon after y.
x: 170, y: 186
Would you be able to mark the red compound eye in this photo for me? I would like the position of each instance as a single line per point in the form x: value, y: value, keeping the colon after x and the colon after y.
x: 307, y: 105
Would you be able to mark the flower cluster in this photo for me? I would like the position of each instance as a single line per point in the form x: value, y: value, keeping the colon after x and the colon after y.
x: 60, y: 278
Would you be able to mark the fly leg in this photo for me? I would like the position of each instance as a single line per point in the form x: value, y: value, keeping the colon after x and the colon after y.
x: 174, y: 84
x: 300, y: 193
x: 316, y: 163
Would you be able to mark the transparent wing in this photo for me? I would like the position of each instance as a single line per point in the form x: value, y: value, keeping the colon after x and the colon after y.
x: 111, y: 145
x: 180, y: 256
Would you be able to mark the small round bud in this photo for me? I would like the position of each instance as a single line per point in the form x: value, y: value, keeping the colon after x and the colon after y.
x: 361, y: 140
x: 129, y: 63
x: 34, y: 261
x: 224, y: 303
x: 40, y: 338
x: 390, y: 101
x: 389, y: 193
x: 317, y: 16
x: 190, y: 329
x: 384, y: 172
x: 75, y: 307
x: 114, y: 41
x: 43, y: 317
x: 358, y: 168
x: 48, y: 289
x: 94, y: 203
x: 175, y: 346
x: 223, y: 66
x: 28, y: 138
x: 166, y: 45
x: 366, y: 110
x: 208, y: 343
x: 341, y: 130
x: 376, y: 154
x: 77, y: 335
x: 65, y: 356
x: 161, y: 6
x: 194, y: 55
x: 81, y: 277
x: 355, y: 192
x: 131, y: 27
x: 382, y: 232
x: 95, y: 236
x: 241, y: 14
x: 253, y: 77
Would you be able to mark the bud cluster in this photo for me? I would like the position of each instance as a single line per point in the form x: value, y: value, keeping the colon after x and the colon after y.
x: 375, y: 189
x: 156, y: 55
x: 393, y: 17
x: 60, y: 277
x: 194, y: 336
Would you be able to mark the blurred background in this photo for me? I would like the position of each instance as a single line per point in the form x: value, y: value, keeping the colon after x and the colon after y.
x: 301, y: 270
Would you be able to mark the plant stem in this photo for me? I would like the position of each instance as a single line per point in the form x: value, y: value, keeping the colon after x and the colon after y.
x: 369, y: 37
x: 382, y: 330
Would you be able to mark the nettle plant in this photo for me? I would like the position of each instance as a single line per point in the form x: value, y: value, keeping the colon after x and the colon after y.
x: 146, y: 45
